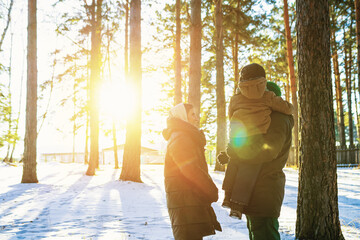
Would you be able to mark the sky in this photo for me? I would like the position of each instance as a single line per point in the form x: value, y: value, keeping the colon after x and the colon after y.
x: 67, y: 204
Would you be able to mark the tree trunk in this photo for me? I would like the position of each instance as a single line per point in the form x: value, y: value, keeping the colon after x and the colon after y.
x: 347, y: 61
x: 221, y: 136
x: 86, y: 154
x: 356, y: 112
x: 178, y: 93
x: 287, y: 87
x: 115, y: 146
x: 95, y: 66
x: 132, y: 149
x: 338, y: 87
x: 7, y: 24
x: 9, y: 138
x: 126, y: 47
x: 74, y: 123
x: 195, y: 56
x: 357, y: 20
x: 29, y: 167
x: 317, y: 208
x: 236, y: 51
x: 292, y: 81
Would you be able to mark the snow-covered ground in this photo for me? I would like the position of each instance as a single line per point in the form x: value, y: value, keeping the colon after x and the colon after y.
x: 66, y: 204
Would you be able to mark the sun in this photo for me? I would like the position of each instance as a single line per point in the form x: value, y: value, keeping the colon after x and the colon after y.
x: 116, y: 100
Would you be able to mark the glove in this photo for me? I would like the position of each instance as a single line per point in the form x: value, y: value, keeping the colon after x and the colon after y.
x: 223, y: 158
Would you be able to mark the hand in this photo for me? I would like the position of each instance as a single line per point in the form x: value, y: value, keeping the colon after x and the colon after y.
x: 223, y: 158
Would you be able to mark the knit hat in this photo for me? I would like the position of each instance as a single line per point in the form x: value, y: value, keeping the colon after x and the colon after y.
x: 179, y: 112
x: 273, y: 87
x: 251, y: 72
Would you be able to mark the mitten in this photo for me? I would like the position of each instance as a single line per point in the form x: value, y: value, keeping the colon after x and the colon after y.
x: 223, y: 158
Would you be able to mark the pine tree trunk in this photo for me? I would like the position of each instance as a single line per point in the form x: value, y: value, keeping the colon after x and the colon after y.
x: 74, y: 123
x: 317, y: 208
x: 7, y: 24
x: 115, y: 146
x: 86, y: 154
x: 221, y: 136
x: 356, y: 111
x: 347, y: 61
x: 9, y: 138
x: 357, y: 20
x: 178, y: 93
x: 235, y: 52
x: 195, y: 56
x: 95, y: 66
x: 287, y: 87
x: 126, y: 47
x: 29, y: 167
x: 338, y: 87
x: 292, y: 81
x: 132, y: 149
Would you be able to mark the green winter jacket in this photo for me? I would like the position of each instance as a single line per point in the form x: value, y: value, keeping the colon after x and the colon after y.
x: 272, y: 151
x: 189, y: 188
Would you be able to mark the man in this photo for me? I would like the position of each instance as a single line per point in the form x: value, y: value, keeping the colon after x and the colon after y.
x: 272, y: 151
x: 258, y: 161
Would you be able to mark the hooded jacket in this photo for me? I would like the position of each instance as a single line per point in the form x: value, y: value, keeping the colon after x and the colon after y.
x: 249, y: 111
x: 189, y: 188
x: 271, y: 151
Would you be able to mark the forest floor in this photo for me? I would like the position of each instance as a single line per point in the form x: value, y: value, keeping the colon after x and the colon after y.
x: 67, y: 204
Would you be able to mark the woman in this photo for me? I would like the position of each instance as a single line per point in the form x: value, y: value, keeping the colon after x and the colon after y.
x: 188, y: 185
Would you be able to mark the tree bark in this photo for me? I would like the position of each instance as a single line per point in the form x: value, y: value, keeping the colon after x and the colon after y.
x: 347, y: 61
x: 95, y: 66
x: 357, y: 20
x: 126, y: 47
x: 236, y: 51
x: 7, y: 24
x: 178, y: 93
x: 195, y: 56
x: 317, y: 208
x: 221, y: 136
x: 338, y: 87
x: 290, y: 59
x: 132, y: 149
x: 29, y: 167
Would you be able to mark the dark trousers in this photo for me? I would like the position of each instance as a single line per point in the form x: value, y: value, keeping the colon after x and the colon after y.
x: 263, y: 228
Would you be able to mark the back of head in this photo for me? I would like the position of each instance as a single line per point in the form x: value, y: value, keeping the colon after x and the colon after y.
x: 251, y: 72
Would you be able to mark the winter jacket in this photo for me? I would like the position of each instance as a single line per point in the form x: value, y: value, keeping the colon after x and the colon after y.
x: 271, y: 150
x: 249, y: 110
x: 189, y: 188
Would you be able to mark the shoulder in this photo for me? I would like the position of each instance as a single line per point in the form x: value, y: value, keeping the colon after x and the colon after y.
x: 179, y: 139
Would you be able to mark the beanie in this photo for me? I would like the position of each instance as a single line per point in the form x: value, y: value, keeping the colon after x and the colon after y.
x: 252, y: 71
x: 273, y: 87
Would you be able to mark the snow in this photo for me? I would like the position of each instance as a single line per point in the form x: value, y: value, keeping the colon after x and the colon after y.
x: 66, y: 204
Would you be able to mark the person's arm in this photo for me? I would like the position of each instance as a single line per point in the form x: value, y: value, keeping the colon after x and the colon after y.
x: 185, y: 157
x: 278, y: 104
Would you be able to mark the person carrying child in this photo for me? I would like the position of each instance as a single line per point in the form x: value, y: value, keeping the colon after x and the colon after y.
x: 249, y: 113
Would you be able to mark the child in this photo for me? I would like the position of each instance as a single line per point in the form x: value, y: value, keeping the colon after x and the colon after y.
x: 249, y: 113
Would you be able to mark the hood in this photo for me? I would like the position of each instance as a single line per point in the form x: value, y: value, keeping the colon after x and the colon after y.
x: 179, y: 112
x: 253, y: 89
x: 178, y: 125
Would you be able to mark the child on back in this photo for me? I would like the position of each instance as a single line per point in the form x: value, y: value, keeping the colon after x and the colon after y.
x: 249, y: 113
